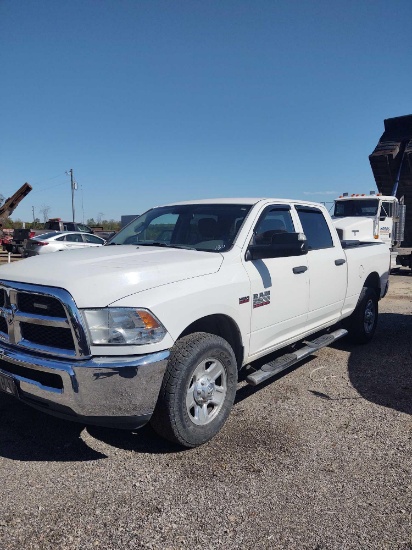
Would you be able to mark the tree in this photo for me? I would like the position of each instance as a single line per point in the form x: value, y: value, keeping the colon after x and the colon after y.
x: 44, y: 210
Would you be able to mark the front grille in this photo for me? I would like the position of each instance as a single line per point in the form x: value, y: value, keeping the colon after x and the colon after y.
x: 53, y: 337
x: 42, y: 305
x: 44, y: 378
x: 42, y: 319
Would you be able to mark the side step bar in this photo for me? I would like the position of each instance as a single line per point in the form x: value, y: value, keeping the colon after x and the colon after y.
x: 289, y: 359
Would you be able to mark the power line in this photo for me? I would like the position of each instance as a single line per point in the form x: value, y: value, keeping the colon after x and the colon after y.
x: 48, y: 179
x: 50, y: 187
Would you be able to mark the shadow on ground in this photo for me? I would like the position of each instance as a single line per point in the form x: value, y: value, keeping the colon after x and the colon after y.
x: 381, y: 371
x: 27, y: 434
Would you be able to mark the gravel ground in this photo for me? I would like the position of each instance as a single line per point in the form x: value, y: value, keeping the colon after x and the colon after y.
x: 320, y: 458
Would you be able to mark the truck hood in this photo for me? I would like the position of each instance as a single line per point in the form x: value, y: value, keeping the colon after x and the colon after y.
x: 96, y: 277
x: 354, y: 228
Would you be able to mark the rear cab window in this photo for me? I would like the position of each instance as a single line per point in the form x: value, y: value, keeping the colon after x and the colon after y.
x: 315, y: 227
x: 53, y: 225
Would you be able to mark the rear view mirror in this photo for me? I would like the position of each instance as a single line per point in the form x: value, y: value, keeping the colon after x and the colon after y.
x: 280, y: 245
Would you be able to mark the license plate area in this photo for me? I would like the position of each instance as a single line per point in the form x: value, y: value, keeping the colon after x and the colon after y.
x: 8, y: 385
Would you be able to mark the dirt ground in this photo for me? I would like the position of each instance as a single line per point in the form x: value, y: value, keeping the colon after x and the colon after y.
x: 319, y: 458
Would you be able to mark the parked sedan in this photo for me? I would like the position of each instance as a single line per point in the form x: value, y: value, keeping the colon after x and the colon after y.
x: 57, y: 241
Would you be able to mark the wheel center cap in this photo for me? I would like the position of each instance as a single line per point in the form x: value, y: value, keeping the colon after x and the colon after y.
x: 203, y: 391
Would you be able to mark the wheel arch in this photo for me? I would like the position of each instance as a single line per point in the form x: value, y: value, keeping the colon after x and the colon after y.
x: 374, y: 281
x: 219, y: 325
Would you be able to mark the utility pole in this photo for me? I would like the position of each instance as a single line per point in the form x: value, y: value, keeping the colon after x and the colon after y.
x: 34, y: 219
x: 81, y: 188
x: 72, y: 186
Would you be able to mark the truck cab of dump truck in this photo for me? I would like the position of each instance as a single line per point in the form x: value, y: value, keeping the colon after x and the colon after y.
x: 367, y: 218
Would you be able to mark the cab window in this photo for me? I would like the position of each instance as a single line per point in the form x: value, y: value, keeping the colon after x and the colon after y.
x: 386, y: 209
x: 315, y: 228
x: 275, y: 219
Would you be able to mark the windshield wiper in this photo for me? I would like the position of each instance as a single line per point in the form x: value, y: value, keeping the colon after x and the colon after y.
x: 151, y: 244
x: 156, y: 243
x: 182, y: 246
x: 166, y: 245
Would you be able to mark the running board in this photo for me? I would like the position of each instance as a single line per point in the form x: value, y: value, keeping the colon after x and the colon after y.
x: 285, y: 361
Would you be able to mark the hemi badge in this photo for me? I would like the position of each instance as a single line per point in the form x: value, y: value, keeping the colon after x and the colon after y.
x: 40, y: 306
x: 244, y: 300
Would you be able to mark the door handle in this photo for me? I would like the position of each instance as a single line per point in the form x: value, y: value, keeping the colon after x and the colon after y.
x: 299, y: 269
x: 341, y: 261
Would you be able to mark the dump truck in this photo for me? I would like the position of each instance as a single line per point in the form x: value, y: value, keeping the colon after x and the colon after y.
x: 367, y: 217
x: 385, y: 215
x: 391, y: 164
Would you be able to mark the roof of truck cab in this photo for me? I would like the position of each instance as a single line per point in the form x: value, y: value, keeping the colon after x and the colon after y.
x: 241, y: 200
x: 367, y: 197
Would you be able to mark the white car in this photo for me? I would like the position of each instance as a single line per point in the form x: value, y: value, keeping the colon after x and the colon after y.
x: 56, y: 241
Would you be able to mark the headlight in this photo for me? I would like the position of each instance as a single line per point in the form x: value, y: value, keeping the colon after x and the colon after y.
x: 123, y: 325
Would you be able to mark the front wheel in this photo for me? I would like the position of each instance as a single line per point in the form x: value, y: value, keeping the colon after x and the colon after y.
x: 198, y: 390
x: 361, y: 325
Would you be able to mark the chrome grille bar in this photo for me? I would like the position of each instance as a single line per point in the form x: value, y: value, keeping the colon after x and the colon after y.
x: 16, y: 319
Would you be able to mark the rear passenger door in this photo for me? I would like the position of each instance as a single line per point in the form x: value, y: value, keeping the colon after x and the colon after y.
x: 327, y: 267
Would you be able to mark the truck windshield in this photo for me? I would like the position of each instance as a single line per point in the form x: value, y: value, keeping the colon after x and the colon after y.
x: 209, y: 227
x: 359, y: 207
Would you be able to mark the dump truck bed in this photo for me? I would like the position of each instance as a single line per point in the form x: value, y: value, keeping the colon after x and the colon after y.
x: 394, y: 145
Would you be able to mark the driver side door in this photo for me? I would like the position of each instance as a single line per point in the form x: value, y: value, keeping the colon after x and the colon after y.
x: 279, y: 286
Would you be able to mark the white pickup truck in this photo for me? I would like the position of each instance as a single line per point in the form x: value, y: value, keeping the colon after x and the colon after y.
x: 157, y: 324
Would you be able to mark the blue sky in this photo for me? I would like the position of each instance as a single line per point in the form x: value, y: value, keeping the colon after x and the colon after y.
x: 157, y: 101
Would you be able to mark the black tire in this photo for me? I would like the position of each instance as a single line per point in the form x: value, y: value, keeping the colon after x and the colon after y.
x: 361, y: 325
x: 198, y: 390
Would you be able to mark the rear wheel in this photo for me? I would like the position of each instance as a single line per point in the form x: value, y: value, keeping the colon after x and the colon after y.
x: 198, y: 390
x: 361, y: 325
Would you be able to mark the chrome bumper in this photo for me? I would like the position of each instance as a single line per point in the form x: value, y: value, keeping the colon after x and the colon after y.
x: 107, y: 391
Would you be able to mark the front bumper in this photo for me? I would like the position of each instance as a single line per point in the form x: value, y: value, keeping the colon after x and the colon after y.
x: 107, y: 391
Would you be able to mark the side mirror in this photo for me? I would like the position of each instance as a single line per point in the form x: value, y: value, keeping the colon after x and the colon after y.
x: 281, y: 245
